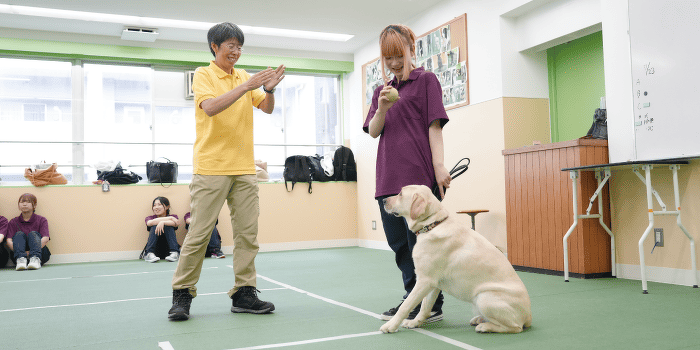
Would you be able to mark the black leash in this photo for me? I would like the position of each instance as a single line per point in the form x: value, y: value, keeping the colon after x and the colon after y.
x: 457, y: 170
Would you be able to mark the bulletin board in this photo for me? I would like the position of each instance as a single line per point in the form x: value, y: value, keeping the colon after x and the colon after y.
x: 443, y: 51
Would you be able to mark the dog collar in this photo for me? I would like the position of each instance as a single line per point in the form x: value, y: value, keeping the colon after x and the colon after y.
x: 430, y: 227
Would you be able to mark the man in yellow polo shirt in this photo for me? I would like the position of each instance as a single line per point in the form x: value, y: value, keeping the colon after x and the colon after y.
x: 224, y: 169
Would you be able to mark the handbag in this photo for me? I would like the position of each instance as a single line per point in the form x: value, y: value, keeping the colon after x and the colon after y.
x: 43, y: 177
x: 454, y: 173
x: 118, y: 176
x: 159, y: 172
x: 599, y: 129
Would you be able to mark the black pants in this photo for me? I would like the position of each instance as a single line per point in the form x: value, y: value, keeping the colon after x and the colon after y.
x: 402, y: 240
x: 4, y: 255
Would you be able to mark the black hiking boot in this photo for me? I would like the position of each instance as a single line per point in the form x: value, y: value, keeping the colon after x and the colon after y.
x: 246, y: 300
x: 182, y: 299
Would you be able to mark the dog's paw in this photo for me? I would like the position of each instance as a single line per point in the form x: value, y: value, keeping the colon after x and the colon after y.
x: 483, y: 328
x: 412, y: 323
x: 388, y: 328
x: 477, y: 320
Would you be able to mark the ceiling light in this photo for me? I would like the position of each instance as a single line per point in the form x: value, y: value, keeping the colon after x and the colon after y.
x: 163, y: 22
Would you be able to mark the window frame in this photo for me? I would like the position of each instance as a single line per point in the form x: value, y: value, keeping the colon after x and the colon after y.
x: 79, y: 141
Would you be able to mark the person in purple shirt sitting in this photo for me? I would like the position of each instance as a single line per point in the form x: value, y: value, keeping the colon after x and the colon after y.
x: 410, y: 150
x: 27, y: 236
x: 161, y: 225
x: 214, y: 246
x: 4, y: 255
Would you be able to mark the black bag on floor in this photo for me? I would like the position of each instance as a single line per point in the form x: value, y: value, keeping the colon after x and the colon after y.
x: 344, y: 167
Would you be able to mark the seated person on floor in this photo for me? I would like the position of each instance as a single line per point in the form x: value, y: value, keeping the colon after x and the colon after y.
x: 27, y: 236
x: 161, y: 227
x: 4, y: 255
x: 214, y: 246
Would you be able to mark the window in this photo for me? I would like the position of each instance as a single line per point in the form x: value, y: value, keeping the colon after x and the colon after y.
x: 135, y: 113
x: 35, y: 105
x: 306, y: 113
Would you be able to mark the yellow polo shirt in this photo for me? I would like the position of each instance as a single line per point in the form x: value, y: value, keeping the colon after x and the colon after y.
x: 224, y: 143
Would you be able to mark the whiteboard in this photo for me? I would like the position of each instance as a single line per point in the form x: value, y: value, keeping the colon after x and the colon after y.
x: 664, y: 41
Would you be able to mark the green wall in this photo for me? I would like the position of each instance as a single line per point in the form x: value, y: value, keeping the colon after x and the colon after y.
x: 576, y: 84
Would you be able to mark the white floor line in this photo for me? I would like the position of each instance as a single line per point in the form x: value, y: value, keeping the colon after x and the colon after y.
x: 114, y: 275
x: 446, y: 339
x: 323, y: 298
x: 422, y: 331
x: 112, y: 301
x: 302, y: 342
x: 165, y: 345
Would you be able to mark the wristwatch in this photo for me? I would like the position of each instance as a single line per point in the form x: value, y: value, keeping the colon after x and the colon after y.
x: 269, y: 91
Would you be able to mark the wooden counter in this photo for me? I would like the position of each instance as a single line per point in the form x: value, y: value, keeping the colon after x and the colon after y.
x: 539, y: 209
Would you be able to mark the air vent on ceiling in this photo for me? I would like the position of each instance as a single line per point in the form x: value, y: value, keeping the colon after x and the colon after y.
x: 139, y: 34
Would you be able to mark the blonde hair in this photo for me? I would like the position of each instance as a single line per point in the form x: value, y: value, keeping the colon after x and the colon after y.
x: 398, y: 40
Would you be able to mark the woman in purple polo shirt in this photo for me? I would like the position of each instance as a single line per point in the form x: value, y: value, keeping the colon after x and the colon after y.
x: 161, y: 224
x: 27, y: 236
x: 410, y: 150
x: 4, y: 255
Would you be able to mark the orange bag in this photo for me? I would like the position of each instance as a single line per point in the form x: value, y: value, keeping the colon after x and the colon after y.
x: 43, y: 177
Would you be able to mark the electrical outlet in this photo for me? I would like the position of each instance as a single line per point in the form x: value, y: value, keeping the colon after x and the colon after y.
x: 659, y: 237
x: 374, y: 225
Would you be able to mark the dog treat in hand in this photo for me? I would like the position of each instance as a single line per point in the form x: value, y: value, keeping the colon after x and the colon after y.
x: 393, y: 94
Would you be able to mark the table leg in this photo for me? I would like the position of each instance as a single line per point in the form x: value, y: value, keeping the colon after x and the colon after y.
x: 650, y: 207
x: 676, y: 193
x: 574, y: 174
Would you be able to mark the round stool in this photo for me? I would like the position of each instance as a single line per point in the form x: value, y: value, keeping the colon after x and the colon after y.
x: 473, y: 213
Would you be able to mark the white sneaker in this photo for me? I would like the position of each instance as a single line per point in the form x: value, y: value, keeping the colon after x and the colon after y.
x: 151, y: 258
x: 21, y: 264
x: 34, y: 263
x: 174, y: 256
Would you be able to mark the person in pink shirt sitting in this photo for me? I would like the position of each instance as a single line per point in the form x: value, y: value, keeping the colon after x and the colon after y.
x: 27, y: 236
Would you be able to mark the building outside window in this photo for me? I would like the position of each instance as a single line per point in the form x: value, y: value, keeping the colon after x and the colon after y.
x: 136, y: 113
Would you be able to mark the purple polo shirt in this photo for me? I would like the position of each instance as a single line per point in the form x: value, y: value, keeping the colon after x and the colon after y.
x: 36, y: 223
x: 3, y: 227
x: 403, y: 155
x: 149, y: 218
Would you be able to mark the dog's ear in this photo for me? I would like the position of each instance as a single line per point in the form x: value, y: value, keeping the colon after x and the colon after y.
x: 418, y: 206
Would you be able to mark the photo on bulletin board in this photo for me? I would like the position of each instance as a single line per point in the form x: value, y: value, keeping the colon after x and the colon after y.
x: 442, y: 51
x: 436, y: 43
x: 442, y: 62
x: 453, y: 57
x: 420, y: 50
x: 445, y: 38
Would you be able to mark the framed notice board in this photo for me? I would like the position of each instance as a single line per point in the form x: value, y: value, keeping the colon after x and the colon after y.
x: 443, y: 51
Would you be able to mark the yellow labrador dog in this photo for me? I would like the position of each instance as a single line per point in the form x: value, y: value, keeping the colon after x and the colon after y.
x: 451, y: 257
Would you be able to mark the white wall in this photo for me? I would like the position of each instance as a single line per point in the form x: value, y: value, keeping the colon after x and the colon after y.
x: 618, y: 79
x: 507, y: 58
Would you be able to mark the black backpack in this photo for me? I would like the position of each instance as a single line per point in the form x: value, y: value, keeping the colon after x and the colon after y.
x: 344, y: 167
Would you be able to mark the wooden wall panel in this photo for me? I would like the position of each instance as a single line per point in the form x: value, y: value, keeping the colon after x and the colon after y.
x: 540, y: 211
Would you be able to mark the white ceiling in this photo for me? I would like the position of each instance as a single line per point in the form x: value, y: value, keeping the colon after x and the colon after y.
x: 362, y: 18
